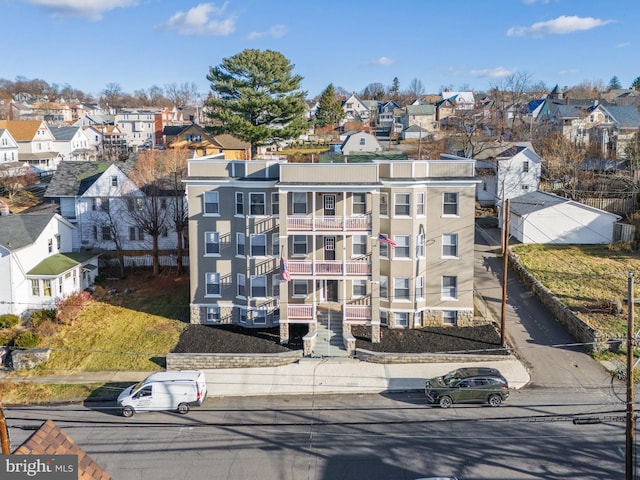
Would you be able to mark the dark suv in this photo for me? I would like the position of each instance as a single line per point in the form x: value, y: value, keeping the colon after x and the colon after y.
x: 468, y: 385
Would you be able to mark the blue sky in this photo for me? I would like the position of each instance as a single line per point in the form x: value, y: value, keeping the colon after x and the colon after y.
x: 350, y: 43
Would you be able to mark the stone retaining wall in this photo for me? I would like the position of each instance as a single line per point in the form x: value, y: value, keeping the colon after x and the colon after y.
x: 203, y: 361
x: 380, y: 357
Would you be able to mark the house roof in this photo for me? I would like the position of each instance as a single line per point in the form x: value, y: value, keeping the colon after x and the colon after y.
x: 18, y: 231
x: 229, y: 142
x: 21, y: 130
x: 627, y: 116
x: 534, y: 201
x: 74, y: 178
x: 64, y: 134
x: 421, y: 109
x: 50, y: 440
x: 569, y: 111
x: 60, y: 263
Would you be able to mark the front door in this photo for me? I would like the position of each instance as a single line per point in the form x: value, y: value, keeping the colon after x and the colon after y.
x: 330, y: 205
x: 331, y: 288
x: 329, y: 248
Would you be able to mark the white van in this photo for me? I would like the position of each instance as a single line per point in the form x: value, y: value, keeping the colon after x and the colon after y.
x: 172, y: 390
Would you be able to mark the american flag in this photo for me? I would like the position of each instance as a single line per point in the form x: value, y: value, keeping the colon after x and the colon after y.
x: 382, y: 238
x: 285, y: 276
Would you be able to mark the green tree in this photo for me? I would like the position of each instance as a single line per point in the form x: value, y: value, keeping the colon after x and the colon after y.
x: 636, y: 83
x: 394, y: 90
x: 330, y: 110
x: 257, y: 98
x: 614, y: 83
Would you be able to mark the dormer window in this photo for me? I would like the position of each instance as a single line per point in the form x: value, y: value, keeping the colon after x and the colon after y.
x: 114, y: 181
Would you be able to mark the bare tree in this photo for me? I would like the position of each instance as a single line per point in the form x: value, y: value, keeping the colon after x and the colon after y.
x: 415, y: 88
x: 112, y: 95
x: 181, y: 95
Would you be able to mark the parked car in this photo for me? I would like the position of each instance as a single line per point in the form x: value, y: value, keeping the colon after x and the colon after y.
x: 172, y: 390
x: 468, y: 385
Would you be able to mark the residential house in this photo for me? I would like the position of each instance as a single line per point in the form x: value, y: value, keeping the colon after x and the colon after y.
x: 200, y: 143
x: 355, y: 110
x: 73, y: 144
x: 360, y: 142
x: 139, y: 127
x: 423, y: 116
x: 384, y: 244
x: 386, y: 117
x: 105, y: 205
x: 91, y: 119
x: 113, y: 144
x: 612, y: 127
x: 38, y: 263
x: 539, y: 217
x: 35, y: 143
x: 414, y: 132
x: 8, y: 147
x: 53, y: 112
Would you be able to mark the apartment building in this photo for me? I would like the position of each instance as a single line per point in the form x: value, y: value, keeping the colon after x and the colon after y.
x: 386, y: 244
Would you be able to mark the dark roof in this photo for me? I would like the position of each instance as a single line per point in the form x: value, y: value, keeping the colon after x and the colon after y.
x: 602, y: 165
x: 173, y: 130
x: 64, y: 134
x: 534, y: 201
x: 18, y: 231
x: 626, y: 115
x: 74, y: 178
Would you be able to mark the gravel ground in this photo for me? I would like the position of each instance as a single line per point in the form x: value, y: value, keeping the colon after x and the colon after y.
x: 234, y: 339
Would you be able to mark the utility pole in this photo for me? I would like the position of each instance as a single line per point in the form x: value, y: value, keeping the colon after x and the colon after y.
x: 630, y: 345
x: 505, y: 267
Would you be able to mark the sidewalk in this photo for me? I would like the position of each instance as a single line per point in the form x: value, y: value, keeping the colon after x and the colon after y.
x: 307, y: 376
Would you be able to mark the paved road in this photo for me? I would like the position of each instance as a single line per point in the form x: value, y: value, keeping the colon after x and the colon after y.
x: 543, y: 345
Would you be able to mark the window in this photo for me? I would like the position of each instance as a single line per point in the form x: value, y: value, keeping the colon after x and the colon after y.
x: 50, y: 245
x: 275, y: 287
x: 58, y: 242
x: 259, y: 286
x: 95, y: 232
x: 420, y: 245
x: 384, y: 204
x: 106, y: 233
x: 257, y: 204
x: 384, y: 287
x: 275, y: 203
x: 260, y: 317
x: 239, y: 203
x: 403, y: 205
x: 450, y: 204
x: 241, y: 280
x: 359, y: 288
x: 213, y: 314
x: 449, y: 287
x: 242, y: 314
x: 114, y: 181
x: 524, y: 188
x: 402, y: 319
x: 163, y: 203
x: 212, y: 282
x: 450, y: 245
x: 46, y: 287
x: 420, y: 204
x: 362, y: 141
x: 401, y: 288
x: 133, y: 203
x: 35, y: 288
x: 359, y: 245
x: 419, y: 287
x: 525, y: 166
x: 240, y: 244
x: 299, y: 203
x: 402, y: 249
x: 384, y: 249
x: 384, y: 317
x: 449, y: 317
x: 211, y: 203
x: 300, y: 288
x: 258, y: 244
x: 135, y: 234
x: 359, y: 203
x: 275, y: 244
x: 104, y: 204
x: 299, y: 245
x: 211, y: 243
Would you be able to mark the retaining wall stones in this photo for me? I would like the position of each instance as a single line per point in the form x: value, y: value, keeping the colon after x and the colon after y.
x: 27, y: 359
x: 380, y: 357
x: 203, y: 361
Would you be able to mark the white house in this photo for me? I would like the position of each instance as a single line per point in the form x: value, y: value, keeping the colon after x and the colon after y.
x: 35, y: 143
x: 355, y: 110
x: 139, y: 126
x: 8, y: 147
x: 37, y: 263
x: 361, y: 142
x: 101, y: 201
x: 539, y: 217
x: 72, y: 144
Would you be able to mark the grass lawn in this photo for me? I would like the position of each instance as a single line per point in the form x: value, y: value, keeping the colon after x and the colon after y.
x: 586, y: 278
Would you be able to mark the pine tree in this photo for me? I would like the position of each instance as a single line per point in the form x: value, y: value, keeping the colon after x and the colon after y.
x: 330, y: 110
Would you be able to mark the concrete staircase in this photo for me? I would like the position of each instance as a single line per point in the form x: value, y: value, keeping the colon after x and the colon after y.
x: 329, y: 342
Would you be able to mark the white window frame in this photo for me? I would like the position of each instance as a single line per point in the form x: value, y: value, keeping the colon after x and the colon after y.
x: 358, y: 245
x: 449, y: 204
x: 420, y: 288
x: 420, y: 245
x: 240, y: 245
x: 358, y: 288
x: 449, y: 287
x: 404, y: 206
x: 297, y: 204
x: 450, y: 317
x: 401, y: 319
x: 259, y: 282
x: 420, y: 204
x: 384, y: 204
x: 449, y: 245
x: 297, y: 241
x: 211, y: 239
x: 241, y: 285
x: 239, y: 203
x: 275, y: 203
x: 275, y: 286
x: 212, y: 314
x: 259, y: 313
x: 256, y: 245
x: 384, y: 287
x: 384, y: 317
x: 361, y: 206
x: 401, y: 247
x: 242, y: 315
x: 275, y: 244
x: 405, y: 287
x: 257, y: 203
x: 211, y: 205
x: 212, y: 279
x: 298, y: 286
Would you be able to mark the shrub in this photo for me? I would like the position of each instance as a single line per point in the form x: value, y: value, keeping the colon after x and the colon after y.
x: 40, y: 316
x: 26, y: 340
x: 70, y: 307
x: 5, y: 337
x: 9, y: 320
x: 46, y: 328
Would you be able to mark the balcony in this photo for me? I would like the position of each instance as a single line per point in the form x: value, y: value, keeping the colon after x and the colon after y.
x: 350, y: 313
x: 360, y: 223
x: 329, y: 267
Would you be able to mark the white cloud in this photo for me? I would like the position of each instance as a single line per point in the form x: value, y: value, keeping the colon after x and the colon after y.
x: 623, y: 45
x: 383, y: 61
x: 497, y: 72
x: 558, y: 26
x: 203, y: 19
x: 276, y: 31
x: 91, y: 9
x: 569, y: 71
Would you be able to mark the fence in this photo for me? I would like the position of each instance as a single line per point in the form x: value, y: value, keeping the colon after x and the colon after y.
x: 147, y: 261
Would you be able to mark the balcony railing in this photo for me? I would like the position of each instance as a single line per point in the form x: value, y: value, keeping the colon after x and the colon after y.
x: 350, y: 313
x: 329, y: 267
x: 360, y: 223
